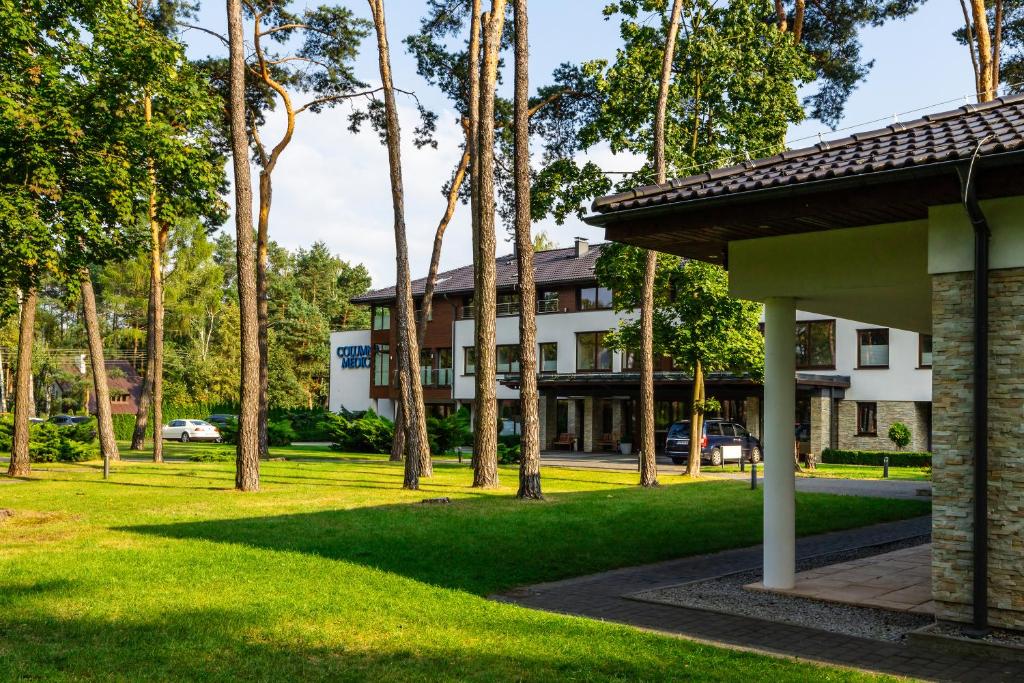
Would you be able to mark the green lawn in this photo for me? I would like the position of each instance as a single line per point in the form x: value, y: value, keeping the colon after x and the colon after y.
x: 867, y: 472
x: 333, y: 572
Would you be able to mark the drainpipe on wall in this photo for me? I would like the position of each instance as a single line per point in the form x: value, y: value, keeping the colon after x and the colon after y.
x: 982, y: 236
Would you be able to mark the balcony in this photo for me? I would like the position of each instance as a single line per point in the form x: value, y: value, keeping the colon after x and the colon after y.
x: 507, y: 308
x: 439, y: 377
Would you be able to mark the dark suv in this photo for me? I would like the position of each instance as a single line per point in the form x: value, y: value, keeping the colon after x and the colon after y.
x: 721, y: 442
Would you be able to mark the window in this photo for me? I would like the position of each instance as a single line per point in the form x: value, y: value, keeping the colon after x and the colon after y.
x: 873, y: 348
x: 444, y: 367
x: 594, y: 298
x: 381, y: 318
x: 381, y: 365
x: 549, y: 357
x: 924, y: 350
x: 867, y: 422
x: 507, y: 304
x: 426, y: 367
x: 629, y: 360
x: 469, y: 366
x: 591, y: 353
x: 547, y: 301
x: 816, y: 345
x: 507, y: 359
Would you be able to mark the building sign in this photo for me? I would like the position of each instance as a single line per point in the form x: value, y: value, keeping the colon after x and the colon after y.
x: 354, y: 357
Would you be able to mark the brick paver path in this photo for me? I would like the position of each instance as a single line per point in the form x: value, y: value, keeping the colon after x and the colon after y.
x: 600, y: 596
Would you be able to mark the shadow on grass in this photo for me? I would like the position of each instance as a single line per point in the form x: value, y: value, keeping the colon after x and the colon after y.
x: 493, y: 543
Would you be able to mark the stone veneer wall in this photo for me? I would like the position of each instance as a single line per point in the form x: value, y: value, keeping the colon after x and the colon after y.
x: 952, y: 479
x: 821, y: 423
x: 907, y: 412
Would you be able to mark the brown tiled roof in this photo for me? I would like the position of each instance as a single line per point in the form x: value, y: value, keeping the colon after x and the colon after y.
x: 551, y: 267
x: 992, y: 128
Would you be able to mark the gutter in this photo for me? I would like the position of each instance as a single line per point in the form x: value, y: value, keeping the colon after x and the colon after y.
x: 982, y: 237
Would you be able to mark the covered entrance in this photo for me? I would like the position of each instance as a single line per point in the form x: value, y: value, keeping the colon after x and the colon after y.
x: 918, y: 227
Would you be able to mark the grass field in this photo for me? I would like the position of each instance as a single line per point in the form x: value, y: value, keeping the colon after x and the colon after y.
x: 831, y: 471
x: 333, y: 572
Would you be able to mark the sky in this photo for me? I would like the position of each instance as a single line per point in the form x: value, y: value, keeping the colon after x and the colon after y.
x: 331, y: 185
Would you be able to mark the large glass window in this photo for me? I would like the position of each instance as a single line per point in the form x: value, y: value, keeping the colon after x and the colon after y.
x: 594, y: 298
x: 469, y: 357
x: 591, y: 353
x: 873, y: 348
x: 507, y: 359
x: 547, y: 301
x: 426, y: 367
x: 924, y: 350
x: 507, y: 304
x: 381, y: 365
x: 816, y: 345
x: 549, y: 357
x: 444, y: 367
x: 381, y: 318
x: 867, y: 419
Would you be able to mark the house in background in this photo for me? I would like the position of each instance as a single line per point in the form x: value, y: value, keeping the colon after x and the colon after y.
x: 125, y: 388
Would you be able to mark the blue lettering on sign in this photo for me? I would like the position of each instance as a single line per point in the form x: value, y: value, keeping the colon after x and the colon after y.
x: 354, y: 357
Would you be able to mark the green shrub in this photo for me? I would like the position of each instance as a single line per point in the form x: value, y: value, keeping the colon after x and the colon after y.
x: 365, y: 433
x: 124, y: 424
x: 280, y: 432
x: 836, y: 456
x: 449, y: 432
x: 50, y: 443
x: 6, y: 432
x: 509, y: 455
x: 899, y: 434
x: 212, y: 456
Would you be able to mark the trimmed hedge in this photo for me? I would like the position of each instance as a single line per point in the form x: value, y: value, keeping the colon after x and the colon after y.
x: 836, y: 456
x: 124, y: 425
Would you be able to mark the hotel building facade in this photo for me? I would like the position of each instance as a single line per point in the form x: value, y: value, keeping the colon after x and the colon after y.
x: 853, y: 380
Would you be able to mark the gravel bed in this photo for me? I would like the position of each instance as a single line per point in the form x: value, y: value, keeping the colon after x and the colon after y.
x: 996, y: 636
x: 726, y: 594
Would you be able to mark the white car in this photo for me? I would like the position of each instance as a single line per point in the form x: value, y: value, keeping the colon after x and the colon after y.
x: 191, y: 430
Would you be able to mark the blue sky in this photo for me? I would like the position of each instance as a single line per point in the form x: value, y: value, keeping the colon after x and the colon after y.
x: 331, y: 185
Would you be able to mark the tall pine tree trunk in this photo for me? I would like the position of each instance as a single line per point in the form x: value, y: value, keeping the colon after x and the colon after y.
x: 648, y: 463
x: 20, y: 465
x: 410, y: 388
x: 146, y: 397
x: 262, y: 312
x: 529, y: 463
x: 247, y: 461
x: 3, y: 384
x: 398, y: 441
x: 485, y: 470
x: 473, y: 144
x: 696, y: 421
x: 104, y: 421
x: 986, y: 88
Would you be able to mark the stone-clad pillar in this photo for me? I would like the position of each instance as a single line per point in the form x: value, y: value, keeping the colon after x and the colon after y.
x: 752, y: 412
x: 821, y: 423
x: 953, y: 448
x: 588, y: 424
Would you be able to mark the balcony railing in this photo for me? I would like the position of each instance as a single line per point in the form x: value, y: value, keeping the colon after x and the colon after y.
x: 507, y: 308
x: 439, y: 377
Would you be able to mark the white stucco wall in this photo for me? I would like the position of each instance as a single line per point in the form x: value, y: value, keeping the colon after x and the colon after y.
x: 560, y: 328
x: 902, y: 381
x: 350, y: 387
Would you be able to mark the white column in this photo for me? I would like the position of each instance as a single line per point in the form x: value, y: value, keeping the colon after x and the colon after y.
x: 779, y: 416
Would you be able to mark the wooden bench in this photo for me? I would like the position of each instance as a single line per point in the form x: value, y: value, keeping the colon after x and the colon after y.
x: 565, y: 439
x: 608, y: 442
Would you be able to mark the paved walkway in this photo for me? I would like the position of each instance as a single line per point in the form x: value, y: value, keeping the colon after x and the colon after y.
x: 600, y: 596
x: 900, y: 581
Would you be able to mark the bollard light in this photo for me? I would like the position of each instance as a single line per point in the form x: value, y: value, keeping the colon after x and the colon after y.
x: 885, y: 467
x: 743, y: 464
x: 753, y: 476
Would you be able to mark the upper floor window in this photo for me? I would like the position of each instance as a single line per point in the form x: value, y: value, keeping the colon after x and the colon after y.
x: 594, y: 298
x: 381, y: 365
x: 381, y: 318
x: 469, y: 358
x: 816, y: 345
x: 549, y: 357
x: 547, y: 301
x: 873, y: 348
x: 924, y: 350
x: 507, y: 358
x: 591, y: 353
x: 630, y: 360
x: 507, y: 304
